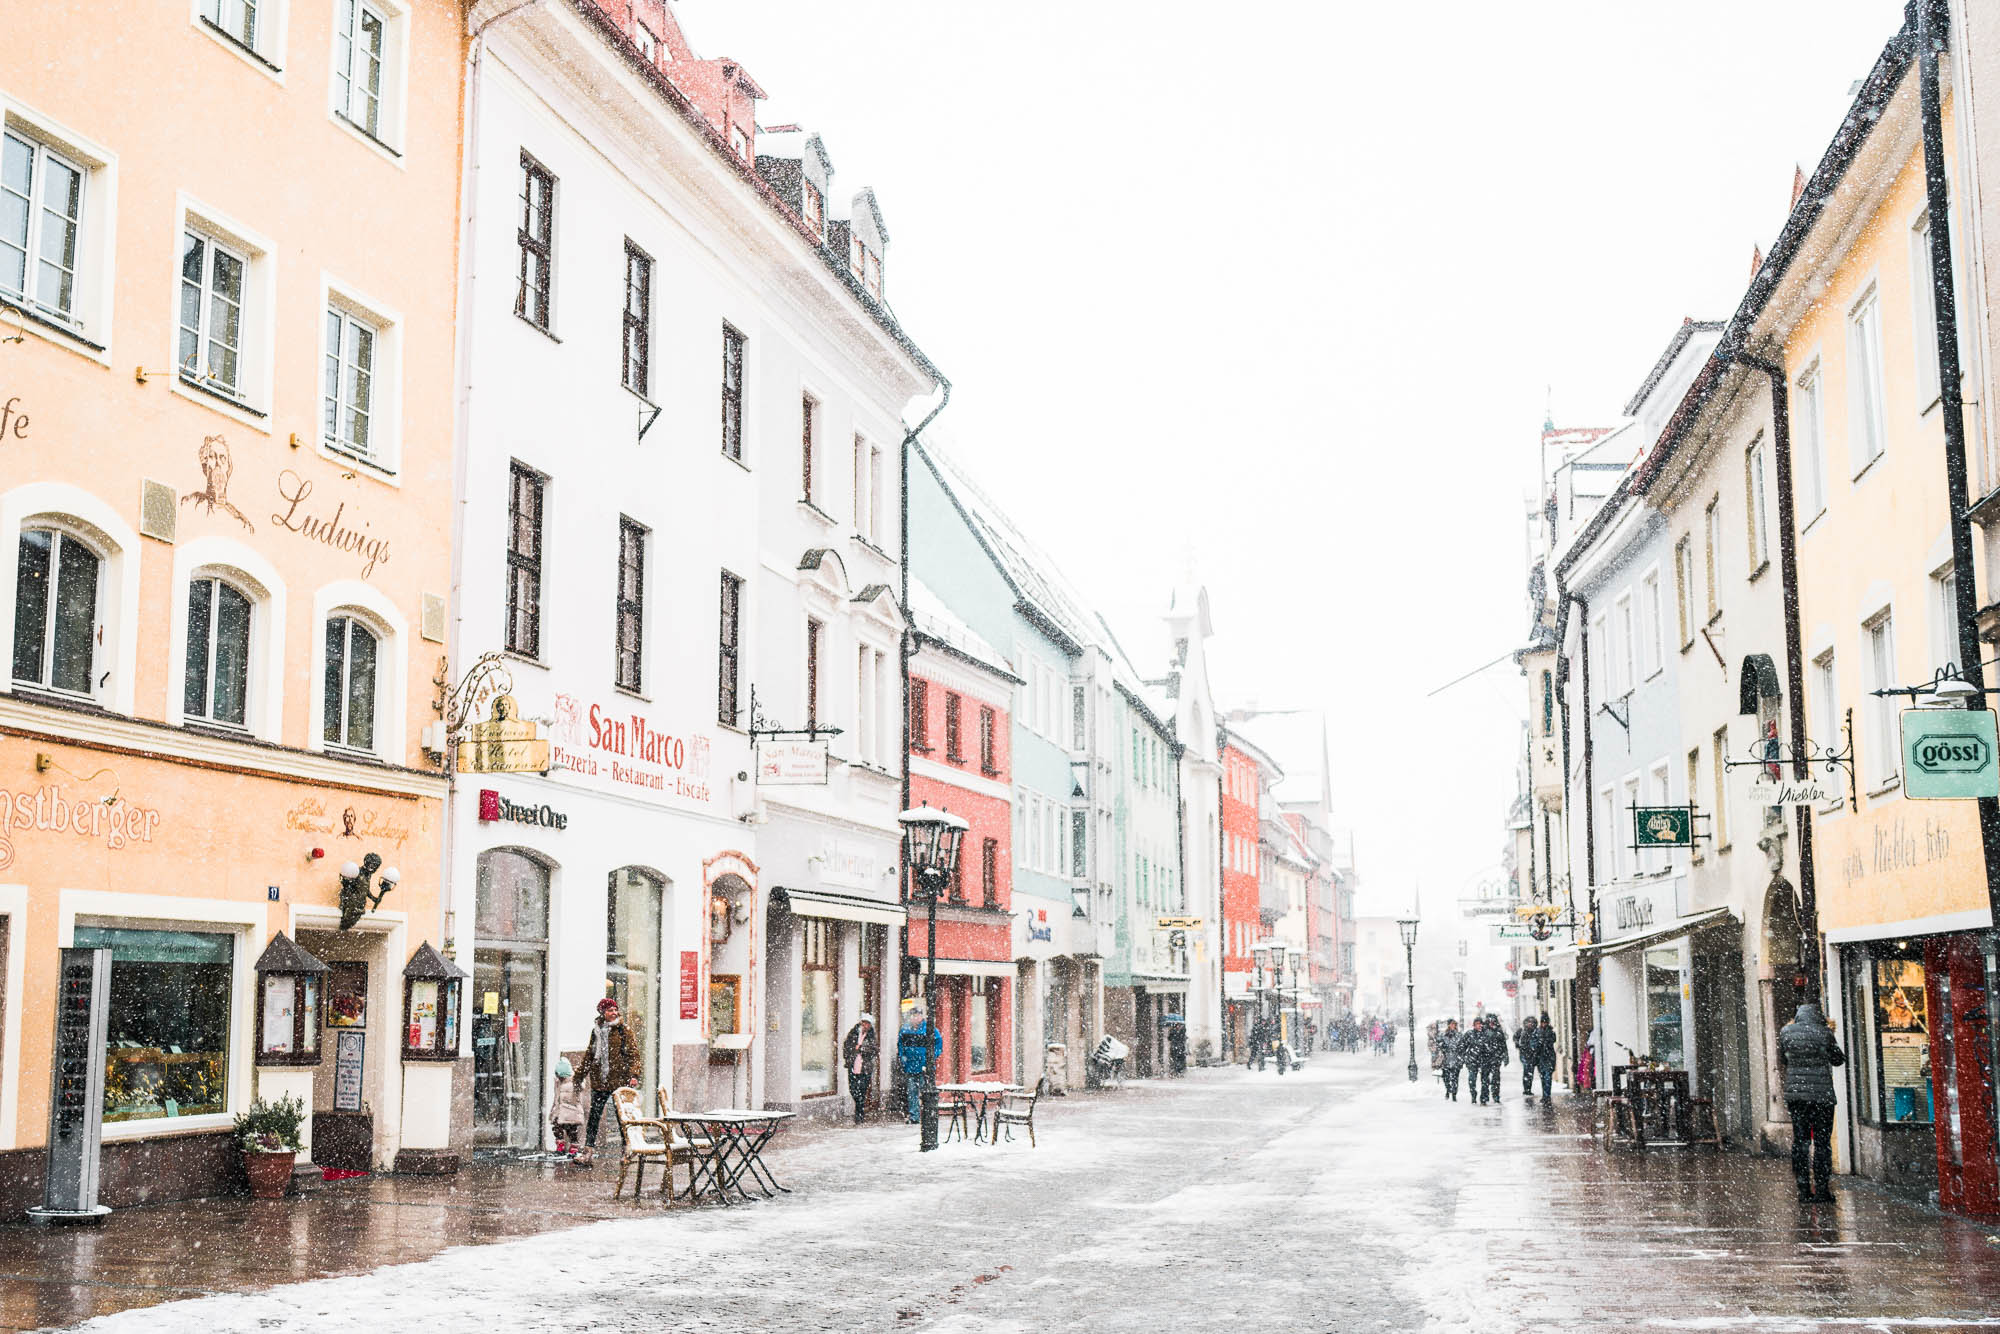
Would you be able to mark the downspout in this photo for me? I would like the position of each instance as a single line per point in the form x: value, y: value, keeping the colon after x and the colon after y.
x: 906, y: 649
x: 1931, y: 27
x: 461, y: 445
x: 1589, y: 773
x: 1795, y: 668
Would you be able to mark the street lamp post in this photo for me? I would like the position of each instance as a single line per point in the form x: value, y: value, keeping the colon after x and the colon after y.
x: 1408, y: 926
x: 931, y: 840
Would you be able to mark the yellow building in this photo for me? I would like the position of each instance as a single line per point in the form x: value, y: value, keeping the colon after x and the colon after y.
x: 1846, y: 312
x: 227, y: 282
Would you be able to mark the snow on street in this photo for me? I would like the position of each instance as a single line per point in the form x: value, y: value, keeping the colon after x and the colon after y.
x: 1342, y: 1199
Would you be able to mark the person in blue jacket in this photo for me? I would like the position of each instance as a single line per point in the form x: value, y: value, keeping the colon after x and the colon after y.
x: 918, y: 1046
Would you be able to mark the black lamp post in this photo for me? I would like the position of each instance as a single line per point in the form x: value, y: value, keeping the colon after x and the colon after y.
x: 930, y: 846
x: 1408, y: 926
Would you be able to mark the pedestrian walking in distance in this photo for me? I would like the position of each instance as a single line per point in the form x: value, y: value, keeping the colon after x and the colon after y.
x: 918, y: 1046
x: 1807, y: 1054
x: 1544, y: 1058
x: 1524, y: 1042
x: 859, y: 1052
x: 610, y: 1062
x: 1451, y: 1057
x: 1493, y: 1055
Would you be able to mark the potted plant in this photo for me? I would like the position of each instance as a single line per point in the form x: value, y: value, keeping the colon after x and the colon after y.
x: 269, y: 1136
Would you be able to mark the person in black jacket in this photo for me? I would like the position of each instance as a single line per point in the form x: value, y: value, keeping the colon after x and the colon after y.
x: 1524, y: 1046
x: 1451, y: 1056
x: 1807, y: 1054
x: 1493, y: 1054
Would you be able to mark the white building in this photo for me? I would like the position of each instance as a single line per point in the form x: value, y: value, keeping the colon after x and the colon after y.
x: 665, y: 362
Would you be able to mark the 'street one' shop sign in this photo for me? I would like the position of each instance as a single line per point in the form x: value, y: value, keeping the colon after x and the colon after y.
x: 1950, y: 754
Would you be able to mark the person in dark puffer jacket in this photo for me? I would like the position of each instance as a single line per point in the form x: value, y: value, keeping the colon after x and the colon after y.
x: 1807, y: 1054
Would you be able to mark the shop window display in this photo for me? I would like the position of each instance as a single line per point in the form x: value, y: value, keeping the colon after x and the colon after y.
x: 1902, y: 1039
x: 1663, y: 1006
x: 167, y: 1041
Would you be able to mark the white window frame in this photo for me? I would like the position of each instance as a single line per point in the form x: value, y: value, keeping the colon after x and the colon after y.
x: 251, y: 403
x: 265, y: 49
x: 1597, y: 644
x: 1923, y: 313
x: 1809, y: 442
x: 1878, y: 663
x: 1624, y: 650
x: 352, y: 597
x: 87, y: 327
x: 1826, y: 703
x: 62, y: 529
x: 390, y: 134
x: 1867, y: 434
x: 84, y: 514
x: 252, y: 573
x: 1652, y: 623
x: 1684, y: 589
x: 1659, y: 793
x: 1759, y: 531
x: 384, y: 459
x: 1628, y: 802
x: 1944, y: 616
x: 1712, y: 553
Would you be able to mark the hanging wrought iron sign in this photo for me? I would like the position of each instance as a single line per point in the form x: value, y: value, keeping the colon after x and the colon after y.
x: 1778, y: 782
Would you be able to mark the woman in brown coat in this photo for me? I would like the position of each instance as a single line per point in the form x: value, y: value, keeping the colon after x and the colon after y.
x: 611, y: 1062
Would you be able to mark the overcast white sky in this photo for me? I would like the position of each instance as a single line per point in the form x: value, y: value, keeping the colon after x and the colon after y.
x: 1283, y: 287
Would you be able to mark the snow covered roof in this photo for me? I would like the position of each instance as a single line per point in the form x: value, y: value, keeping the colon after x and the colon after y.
x: 1034, y: 576
x: 933, y: 619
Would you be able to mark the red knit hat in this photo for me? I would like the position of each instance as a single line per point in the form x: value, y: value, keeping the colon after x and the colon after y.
x: 606, y: 1004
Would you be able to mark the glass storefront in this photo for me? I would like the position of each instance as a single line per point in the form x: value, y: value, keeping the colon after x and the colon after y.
x: 167, y: 1041
x: 1888, y: 1010
x: 632, y: 960
x: 509, y: 976
x: 1663, y: 1007
x: 818, y: 996
x: 978, y: 1023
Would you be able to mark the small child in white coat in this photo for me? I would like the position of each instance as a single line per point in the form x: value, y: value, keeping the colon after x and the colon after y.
x: 566, y: 1110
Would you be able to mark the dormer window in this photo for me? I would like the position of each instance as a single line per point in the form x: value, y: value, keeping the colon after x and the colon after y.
x: 649, y: 45
x: 739, y: 141
x: 814, y: 210
x: 866, y: 266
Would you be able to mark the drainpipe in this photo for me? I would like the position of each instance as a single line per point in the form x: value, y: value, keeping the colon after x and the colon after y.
x: 1589, y: 770
x: 461, y: 447
x: 1795, y: 668
x: 1931, y: 28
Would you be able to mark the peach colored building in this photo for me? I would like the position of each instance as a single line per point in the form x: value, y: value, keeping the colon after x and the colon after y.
x: 227, y: 282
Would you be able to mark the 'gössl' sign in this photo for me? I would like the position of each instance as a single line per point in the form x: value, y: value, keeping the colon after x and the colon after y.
x: 1950, y: 754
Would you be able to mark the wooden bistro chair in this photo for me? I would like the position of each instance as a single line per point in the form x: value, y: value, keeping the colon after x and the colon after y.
x: 689, y: 1145
x: 642, y: 1140
x: 1018, y: 1109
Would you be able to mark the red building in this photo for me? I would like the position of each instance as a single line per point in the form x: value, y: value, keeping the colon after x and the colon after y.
x: 1246, y: 771
x: 959, y: 761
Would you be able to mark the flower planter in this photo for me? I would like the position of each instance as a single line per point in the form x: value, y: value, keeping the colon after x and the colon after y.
x: 270, y: 1172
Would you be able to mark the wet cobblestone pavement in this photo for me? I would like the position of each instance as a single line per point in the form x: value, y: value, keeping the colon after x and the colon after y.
x: 1343, y: 1199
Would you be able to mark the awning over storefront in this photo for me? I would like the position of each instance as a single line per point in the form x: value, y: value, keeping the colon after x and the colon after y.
x: 968, y: 967
x: 842, y: 907
x: 1674, y: 930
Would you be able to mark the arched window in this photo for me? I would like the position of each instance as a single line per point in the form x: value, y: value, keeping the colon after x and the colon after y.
x: 56, y: 618
x: 216, y: 684
x: 352, y: 650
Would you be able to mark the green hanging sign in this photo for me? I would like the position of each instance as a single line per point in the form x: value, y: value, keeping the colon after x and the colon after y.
x: 1662, y: 827
x: 1950, y: 754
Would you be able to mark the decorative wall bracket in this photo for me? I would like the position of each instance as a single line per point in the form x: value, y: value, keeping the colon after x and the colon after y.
x: 1777, y: 755
x: 761, y: 726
